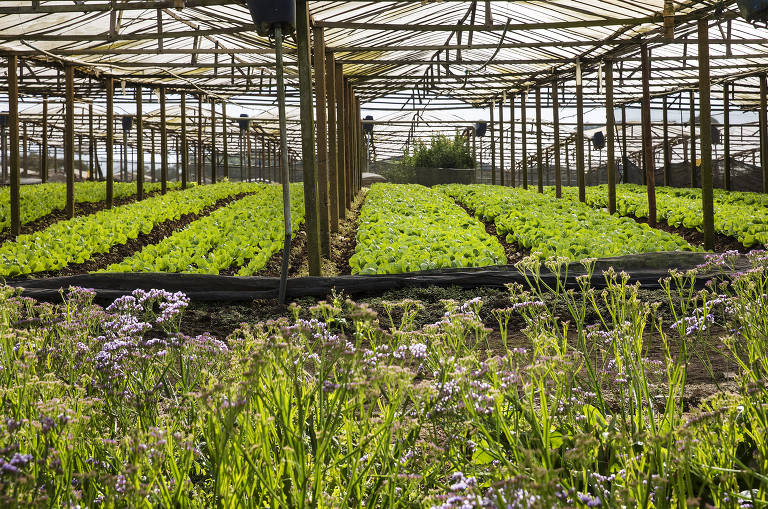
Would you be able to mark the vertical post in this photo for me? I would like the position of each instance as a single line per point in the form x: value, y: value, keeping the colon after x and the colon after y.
x: 163, y: 145
x: 348, y: 106
x: 263, y: 162
x: 13, y: 129
x: 580, y: 138
x: 110, y: 139
x: 152, y: 175
x: 705, y: 118
x: 610, y: 129
x: 139, y: 144
x: 501, y: 138
x: 647, y: 140
x: 512, y: 162
x: 225, y: 150
x: 693, y: 139
x: 341, y: 143
x: 493, y: 146
x: 624, y: 140
x: 360, y: 146
x: 567, y: 165
x: 44, y: 160
x: 322, y: 143
x: 726, y: 138
x: 308, y: 138
x: 333, y: 178
x: 69, y: 138
x: 539, y: 147
x: 213, y: 141
x: 556, y: 142
x: 24, y: 147
x: 199, y: 151
x: 764, y: 130
x: 91, y: 145
x: 184, y: 146
x: 667, y: 158
x: 524, y: 132
x: 275, y: 173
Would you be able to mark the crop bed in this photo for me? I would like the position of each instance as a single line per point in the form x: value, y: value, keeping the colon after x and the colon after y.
x: 40, y: 200
x: 564, y: 228
x: 405, y: 228
x: 740, y: 215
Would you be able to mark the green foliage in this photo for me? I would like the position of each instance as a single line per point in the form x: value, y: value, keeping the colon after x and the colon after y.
x: 244, y: 234
x: 566, y: 228
x: 443, y: 152
x: 39, y: 200
x: 76, y: 240
x: 737, y: 214
x: 407, y: 228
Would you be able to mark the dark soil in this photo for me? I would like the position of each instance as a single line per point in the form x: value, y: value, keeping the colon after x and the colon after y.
x: 81, y: 209
x: 275, y: 263
x: 119, y: 252
x: 514, y: 251
x: 344, y: 242
x: 694, y: 237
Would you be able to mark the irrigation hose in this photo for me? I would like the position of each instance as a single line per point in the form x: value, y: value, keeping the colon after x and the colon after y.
x: 283, y: 165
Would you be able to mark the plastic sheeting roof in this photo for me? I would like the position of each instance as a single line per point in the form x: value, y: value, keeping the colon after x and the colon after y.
x: 411, y: 59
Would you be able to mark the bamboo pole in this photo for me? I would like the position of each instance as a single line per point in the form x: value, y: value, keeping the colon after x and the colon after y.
x: 13, y: 130
x: 726, y: 137
x: 225, y: 149
x: 44, y: 159
x: 705, y: 118
x: 493, y: 146
x: 184, y: 145
x: 91, y: 144
x: 650, y: 180
x: 693, y: 140
x: 213, y: 141
x: 539, y: 146
x: 501, y: 139
x: 333, y: 178
x: 579, y: 142
x: 322, y: 144
x: 200, y: 153
x: 524, y: 132
x: 341, y: 166
x: 69, y: 138
x: 512, y: 163
x: 163, y: 144
x: 763, y: 115
x: 110, y: 85
x: 667, y: 158
x: 308, y: 138
x: 610, y: 129
x: 139, y: 144
x: 556, y: 143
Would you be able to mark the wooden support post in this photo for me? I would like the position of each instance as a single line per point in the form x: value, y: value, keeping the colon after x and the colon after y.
x: 512, y: 162
x: 276, y: 175
x: 360, y: 146
x: 110, y: 85
x: 163, y: 144
x: 91, y: 145
x: 225, y: 149
x: 13, y: 130
x: 44, y: 159
x: 693, y: 140
x: 24, y: 147
x: 184, y: 145
x: 667, y: 156
x: 493, y: 146
x: 341, y: 166
x: 524, y: 132
x: 501, y: 139
x: 650, y: 180
x: 588, y: 176
x: 69, y: 138
x: 556, y: 142
x: 333, y: 178
x: 139, y: 144
x: 200, y: 152
x: 624, y: 141
x: 308, y: 138
x: 348, y: 146
x: 610, y: 129
x: 263, y: 161
x: 539, y: 146
x: 705, y: 119
x: 152, y: 162
x: 567, y: 165
x: 580, y: 142
x: 213, y: 141
x: 322, y: 143
x: 763, y: 115
x: 726, y: 137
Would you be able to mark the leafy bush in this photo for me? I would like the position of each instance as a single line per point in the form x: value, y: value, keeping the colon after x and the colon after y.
x: 443, y: 152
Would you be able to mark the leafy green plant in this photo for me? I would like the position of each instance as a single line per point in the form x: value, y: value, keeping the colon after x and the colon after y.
x: 561, y: 227
x: 244, y: 234
x: 405, y: 228
x: 443, y: 152
x: 76, y: 240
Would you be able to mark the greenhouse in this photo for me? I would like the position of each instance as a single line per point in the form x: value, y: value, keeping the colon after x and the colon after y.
x: 438, y: 254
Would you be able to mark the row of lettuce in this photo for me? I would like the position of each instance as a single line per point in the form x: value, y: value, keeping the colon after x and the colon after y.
x: 742, y: 215
x: 39, y: 200
x: 244, y: 234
